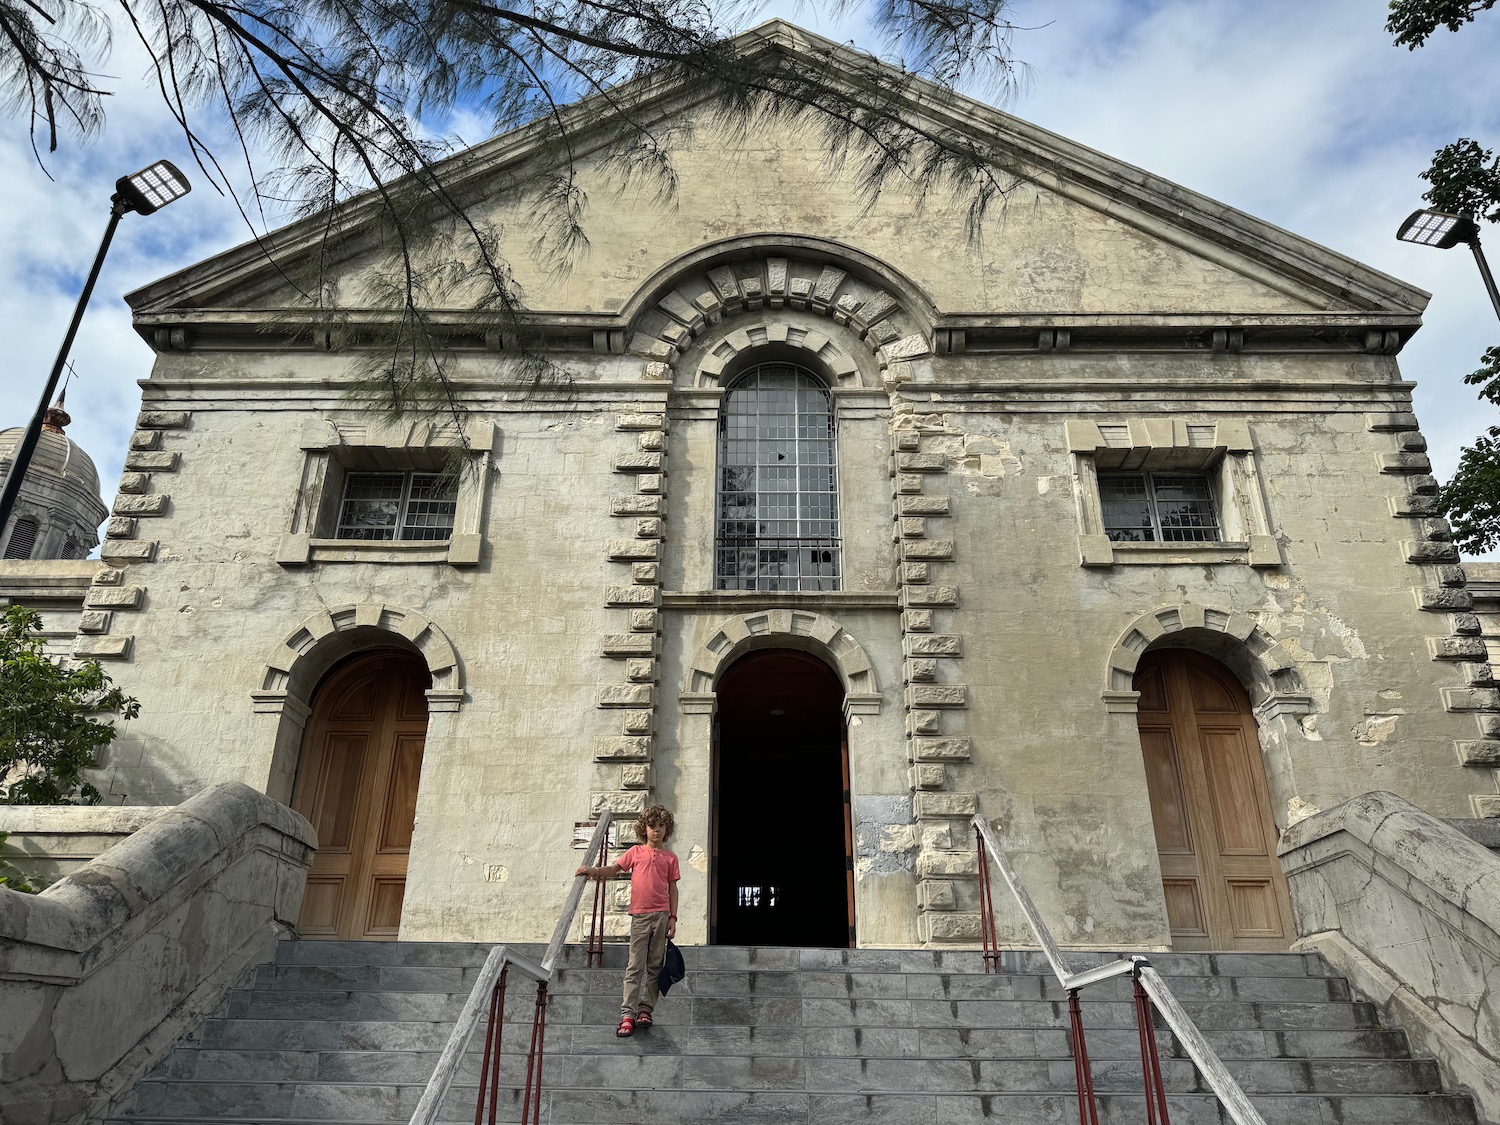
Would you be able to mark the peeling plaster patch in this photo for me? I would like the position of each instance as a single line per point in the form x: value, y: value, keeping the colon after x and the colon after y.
x: 1351, y: 639
x: 987, y: 457
x: 1297, y: 810
x: 1389, y: 694
x: 886, y: 833
x: 1276, y: 581
x: 1310, y: 728
x: 1043, y: 485
x: 698, y: 859
x: 496, y: 873
x: 1375, y: 729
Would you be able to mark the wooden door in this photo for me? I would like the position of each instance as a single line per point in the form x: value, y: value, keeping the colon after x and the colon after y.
x: 1210, y: 806
x: 357, y: 785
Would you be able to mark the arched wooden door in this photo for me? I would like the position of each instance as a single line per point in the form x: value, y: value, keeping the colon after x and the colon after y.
x: 1211, y: 807
x: 357, y: 785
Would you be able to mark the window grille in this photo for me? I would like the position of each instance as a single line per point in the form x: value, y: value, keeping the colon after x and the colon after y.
x: 397, y: 506
x: 22, y: 539
x: 778, y: 521
x: 1152, y: 507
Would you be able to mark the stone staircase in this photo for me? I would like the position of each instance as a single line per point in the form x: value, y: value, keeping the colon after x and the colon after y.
x: 349, y: 1032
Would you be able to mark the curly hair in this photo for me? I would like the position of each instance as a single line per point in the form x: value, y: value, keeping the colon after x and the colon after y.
x: 657, y: 815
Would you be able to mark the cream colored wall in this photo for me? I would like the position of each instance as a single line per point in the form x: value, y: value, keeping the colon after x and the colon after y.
x: 1053, y: 760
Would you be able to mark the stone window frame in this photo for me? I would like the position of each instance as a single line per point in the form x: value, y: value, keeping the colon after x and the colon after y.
x: 333, y: 447
x: 1223, y: 450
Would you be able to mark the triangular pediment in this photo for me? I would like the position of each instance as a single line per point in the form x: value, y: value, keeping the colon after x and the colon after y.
x: 1077, y: 233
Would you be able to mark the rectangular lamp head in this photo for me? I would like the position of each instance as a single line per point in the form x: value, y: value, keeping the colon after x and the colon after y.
x: 1437, y: 228
x: 152, y: 188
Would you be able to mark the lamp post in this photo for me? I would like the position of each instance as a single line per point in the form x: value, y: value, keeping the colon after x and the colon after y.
x: 1440, y: 229
x: 143, y: 192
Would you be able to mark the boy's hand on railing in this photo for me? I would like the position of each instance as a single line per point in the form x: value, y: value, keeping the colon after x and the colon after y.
x: 589, y: 871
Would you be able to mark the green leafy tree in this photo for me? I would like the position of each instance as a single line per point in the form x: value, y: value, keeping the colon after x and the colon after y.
x: 54, y: 718
x: 1465, y: 179
x: 339, y: 112
x: 1413, y: 21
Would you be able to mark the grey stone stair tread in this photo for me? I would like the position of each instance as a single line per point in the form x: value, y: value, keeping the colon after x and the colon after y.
x: 328, y: 1035
x: 706, y: 958
x: 598, y: 1107
x: 877, y: 1074
x: 303, y: 1004
x: 346, y: 1033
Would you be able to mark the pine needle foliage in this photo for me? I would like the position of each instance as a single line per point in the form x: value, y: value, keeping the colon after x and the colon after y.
x: 339, y: 110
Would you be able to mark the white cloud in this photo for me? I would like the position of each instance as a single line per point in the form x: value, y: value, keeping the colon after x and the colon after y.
x: 1302, y: 114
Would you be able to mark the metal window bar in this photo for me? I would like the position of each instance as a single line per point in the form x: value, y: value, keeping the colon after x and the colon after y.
x: 756, y: 563
x: 1164, y: 507
x: 777, y: 506
x: 1150, y: 982
x: 397, y: 507
x: 488, y: 993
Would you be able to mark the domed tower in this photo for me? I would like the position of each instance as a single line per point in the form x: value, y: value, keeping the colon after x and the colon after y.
x: 59, y: 510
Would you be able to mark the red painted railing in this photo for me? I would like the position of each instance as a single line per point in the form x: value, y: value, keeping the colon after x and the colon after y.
x: 489, y: 1069
x: 987, y: 912
x: 596, y: 917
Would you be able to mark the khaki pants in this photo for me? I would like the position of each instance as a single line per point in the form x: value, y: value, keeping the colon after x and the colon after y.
x: 648, y: 952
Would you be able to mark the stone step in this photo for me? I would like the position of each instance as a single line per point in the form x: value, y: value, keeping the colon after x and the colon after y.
x: 469, y: 954
x: 379, y: 1105
x: 336, y: 1035
x: 686, y: 1071
x: 812, y: 984
x: 346, y: 1033
x: 302, y: 1004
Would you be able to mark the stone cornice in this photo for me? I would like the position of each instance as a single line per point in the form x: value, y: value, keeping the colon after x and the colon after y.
x: 975, y: 333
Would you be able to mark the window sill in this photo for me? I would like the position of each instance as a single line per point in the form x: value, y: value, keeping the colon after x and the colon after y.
x: 301, y: 550
x: 1261, y: 552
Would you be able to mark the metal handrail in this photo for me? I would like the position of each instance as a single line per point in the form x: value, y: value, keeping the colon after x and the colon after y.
x: 1214, y: 1072
x: 499, y: 958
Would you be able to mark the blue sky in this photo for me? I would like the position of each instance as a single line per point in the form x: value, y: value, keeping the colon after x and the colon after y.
x: 1301, y: 114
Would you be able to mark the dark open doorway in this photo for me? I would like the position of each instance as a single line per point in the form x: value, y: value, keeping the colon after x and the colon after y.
x: 783, y: 871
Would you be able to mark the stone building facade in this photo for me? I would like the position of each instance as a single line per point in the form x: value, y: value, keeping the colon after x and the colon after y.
x: 1114, y: 527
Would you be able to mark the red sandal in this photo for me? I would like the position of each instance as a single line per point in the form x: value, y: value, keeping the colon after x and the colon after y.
x: 643, y: 1020
x: 626, y: 1028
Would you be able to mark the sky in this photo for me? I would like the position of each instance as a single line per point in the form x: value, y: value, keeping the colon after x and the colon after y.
x: 1302, y: 114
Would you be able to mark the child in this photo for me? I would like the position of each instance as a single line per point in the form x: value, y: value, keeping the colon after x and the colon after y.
x: 654, y: 873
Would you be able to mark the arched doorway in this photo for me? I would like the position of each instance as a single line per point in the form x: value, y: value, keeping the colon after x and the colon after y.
x: 1215, y: 833
x: 783, y: 869
x: 357, y: 785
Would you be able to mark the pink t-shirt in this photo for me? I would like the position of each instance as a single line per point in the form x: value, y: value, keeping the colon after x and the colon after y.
x: 652, y: 873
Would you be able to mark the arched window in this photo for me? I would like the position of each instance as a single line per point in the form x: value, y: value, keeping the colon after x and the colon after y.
x: 22, y: 539
x: 778, y: 516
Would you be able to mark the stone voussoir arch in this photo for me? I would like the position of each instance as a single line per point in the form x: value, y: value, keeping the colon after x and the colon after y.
x: 789, y: 628
x: 347, y: 628
x: 1267, y: 669
x: 887, y: 315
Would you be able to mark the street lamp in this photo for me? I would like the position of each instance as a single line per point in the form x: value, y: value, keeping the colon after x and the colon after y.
x: 1438, y: 228
x: 143, y: 192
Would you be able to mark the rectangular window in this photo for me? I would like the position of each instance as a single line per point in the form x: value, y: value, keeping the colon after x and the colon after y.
x: 1158, y: 507
x: 397, y: 506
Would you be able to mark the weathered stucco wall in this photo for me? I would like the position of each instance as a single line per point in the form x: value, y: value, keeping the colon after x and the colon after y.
x: 1000, y: 627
